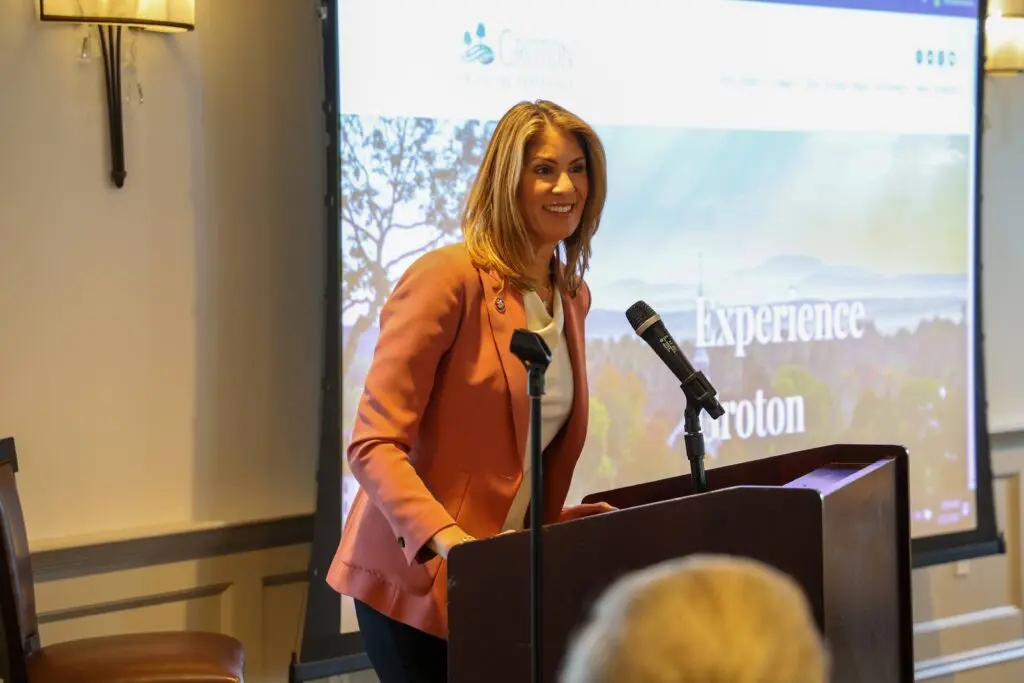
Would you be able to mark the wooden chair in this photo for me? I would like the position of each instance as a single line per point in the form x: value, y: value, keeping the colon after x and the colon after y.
x: 171, y: 657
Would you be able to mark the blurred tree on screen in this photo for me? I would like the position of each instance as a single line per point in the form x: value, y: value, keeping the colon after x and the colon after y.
x: 624, y: 397
x: 796, y: 380
x: 403, y: 181
x: 595, y: 470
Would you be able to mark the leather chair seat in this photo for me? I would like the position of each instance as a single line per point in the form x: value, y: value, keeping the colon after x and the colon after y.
x: 186, y: 657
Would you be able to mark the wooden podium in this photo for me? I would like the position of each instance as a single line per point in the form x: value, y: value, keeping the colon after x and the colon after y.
x: 836, y: 518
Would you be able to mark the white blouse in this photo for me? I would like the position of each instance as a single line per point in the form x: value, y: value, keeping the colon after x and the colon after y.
x: 556, y: 404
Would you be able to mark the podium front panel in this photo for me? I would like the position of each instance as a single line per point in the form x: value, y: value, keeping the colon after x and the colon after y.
x: 489, y: 581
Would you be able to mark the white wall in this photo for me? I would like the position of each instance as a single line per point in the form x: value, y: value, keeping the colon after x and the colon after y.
x: 160, y: 345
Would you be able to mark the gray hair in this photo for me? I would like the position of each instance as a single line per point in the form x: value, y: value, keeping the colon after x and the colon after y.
x: 700, y: 619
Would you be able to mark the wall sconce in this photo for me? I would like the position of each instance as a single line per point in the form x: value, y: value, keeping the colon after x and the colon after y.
x: 1004, y: 37
x: 111, y: 16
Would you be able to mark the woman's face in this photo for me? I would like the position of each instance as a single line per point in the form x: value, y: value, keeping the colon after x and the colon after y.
x: 553, y: 187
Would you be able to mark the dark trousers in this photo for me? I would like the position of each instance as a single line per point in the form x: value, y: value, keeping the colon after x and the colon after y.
x: 401, y: 653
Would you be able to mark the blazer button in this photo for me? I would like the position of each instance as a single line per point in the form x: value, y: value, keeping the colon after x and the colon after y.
x: 401, y: 542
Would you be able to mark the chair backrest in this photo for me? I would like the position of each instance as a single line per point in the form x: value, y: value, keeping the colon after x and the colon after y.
x: 17, y: 590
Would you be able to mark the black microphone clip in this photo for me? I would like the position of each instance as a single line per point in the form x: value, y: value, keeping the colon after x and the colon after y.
x: 531, y: 349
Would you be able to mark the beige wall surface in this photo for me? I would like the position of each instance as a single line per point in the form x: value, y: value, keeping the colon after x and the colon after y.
x: 161, y: 344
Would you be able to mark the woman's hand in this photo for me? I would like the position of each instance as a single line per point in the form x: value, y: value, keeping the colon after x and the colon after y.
x: 446, y: 539
x: 574, y: 512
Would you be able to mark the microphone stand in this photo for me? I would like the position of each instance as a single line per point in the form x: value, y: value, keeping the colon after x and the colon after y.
x: 700, y: 395
x: 530, y: 348
x: 693, y: 438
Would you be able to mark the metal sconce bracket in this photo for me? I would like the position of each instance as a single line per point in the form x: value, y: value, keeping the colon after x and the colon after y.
x: 111, y: 17
x: 110, y: 44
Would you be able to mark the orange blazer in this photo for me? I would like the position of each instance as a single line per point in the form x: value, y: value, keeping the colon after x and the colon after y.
x: 441, y: 430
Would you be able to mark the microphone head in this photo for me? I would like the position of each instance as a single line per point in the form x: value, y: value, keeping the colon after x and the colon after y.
x: 638, y: 314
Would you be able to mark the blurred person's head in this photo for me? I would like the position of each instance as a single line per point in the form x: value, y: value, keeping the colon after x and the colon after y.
x: 703, y: 619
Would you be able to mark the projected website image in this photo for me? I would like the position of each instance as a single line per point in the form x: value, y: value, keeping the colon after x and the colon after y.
x: 820, y: 281
x: 852, y: 248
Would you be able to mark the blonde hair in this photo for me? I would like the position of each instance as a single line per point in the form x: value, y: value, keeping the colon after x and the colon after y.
x: 700, y: 620
x: 493, y: 222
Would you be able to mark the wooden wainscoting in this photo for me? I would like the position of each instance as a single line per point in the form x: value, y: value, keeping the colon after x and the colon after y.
x: 247, y: 580
x: 968, y: 622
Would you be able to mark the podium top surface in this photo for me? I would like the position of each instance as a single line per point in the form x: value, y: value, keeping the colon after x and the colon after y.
x: 823, y: 469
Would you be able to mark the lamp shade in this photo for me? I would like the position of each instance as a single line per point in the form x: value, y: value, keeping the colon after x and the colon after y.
x: 155, y: 15
x: 1004, y: 37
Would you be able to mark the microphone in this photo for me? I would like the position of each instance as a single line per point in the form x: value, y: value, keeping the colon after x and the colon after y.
x: 647, y: 324
x: 700, y: 395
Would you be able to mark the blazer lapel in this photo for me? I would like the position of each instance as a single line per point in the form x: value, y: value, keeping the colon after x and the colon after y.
x: 506, y: 312
x: 574, y: 339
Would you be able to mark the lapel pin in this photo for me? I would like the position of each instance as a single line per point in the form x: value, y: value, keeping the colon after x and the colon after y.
x: 499, y: 304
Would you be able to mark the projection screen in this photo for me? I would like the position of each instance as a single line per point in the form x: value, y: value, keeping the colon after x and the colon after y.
x: 792, y: 186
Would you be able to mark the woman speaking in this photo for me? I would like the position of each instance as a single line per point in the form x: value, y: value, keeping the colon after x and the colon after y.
x: 439, y: 446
